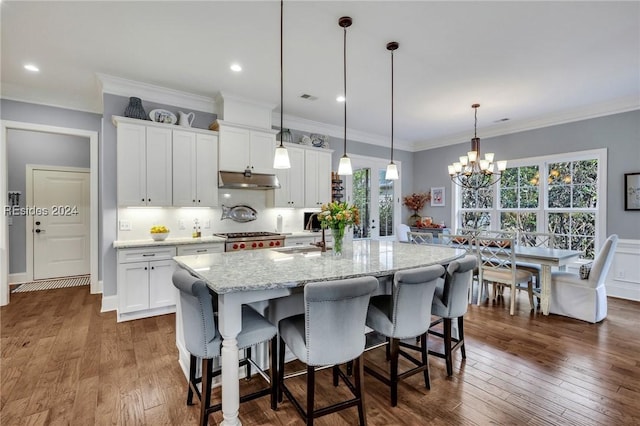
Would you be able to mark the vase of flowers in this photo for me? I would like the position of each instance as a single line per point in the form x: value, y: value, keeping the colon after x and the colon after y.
x: 416, y: 202
x: 337, y: 216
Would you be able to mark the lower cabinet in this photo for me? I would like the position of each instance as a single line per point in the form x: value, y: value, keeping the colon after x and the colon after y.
x: 200, y: 249
x: 144, y: 284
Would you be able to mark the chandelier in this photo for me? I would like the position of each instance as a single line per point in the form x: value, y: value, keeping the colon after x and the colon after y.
x: 472, y: 172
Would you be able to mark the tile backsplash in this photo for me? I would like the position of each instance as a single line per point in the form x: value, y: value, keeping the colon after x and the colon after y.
x: 141, y: 219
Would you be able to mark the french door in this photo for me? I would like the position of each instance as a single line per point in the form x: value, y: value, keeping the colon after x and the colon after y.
x: 375, y: 197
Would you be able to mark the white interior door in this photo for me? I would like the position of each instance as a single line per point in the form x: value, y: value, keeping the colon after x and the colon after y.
x: 61, y: 232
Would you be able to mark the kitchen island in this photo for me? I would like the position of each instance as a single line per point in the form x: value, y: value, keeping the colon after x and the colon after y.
x: 258, y: 275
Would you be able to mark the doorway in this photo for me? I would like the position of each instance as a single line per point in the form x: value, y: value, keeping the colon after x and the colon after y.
x: 59, y: 231
x: 377, y: 198
x: 92, y: 138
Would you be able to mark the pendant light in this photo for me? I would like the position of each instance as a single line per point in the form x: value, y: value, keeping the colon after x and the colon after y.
x: 392, y: 169
x: 281, y: 157
x: 344, y: 168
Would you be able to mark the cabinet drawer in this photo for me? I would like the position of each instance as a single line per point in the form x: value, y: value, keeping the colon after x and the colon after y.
x: 147, y: 254
x: 200, y: 249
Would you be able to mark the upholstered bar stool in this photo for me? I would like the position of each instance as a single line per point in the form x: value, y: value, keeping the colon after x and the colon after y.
x: 450, y: 302
x: 405, y: 314
x: 203, y: 341
x: 330, y: 332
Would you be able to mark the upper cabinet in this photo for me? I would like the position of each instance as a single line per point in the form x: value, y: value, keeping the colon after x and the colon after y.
x: 317, y: 182
x: 195, y: 166
x: 164, y: 165
x: 291, y: 192
x: 242, y: 147
x: 144, y: 165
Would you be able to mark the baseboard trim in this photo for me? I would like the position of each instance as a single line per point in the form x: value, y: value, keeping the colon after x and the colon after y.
x: 18, y: 277
x: 109, y: 303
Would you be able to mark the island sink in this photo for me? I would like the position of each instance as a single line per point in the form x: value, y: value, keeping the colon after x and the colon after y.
x: 299, y: 249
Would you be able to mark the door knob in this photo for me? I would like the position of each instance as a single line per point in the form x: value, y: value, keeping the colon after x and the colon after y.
x: 38, y: 230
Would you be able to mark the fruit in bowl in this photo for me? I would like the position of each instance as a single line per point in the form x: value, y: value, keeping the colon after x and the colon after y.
x: 159, y: 232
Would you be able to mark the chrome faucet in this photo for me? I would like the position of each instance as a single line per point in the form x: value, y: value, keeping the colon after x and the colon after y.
x: 322, y: 244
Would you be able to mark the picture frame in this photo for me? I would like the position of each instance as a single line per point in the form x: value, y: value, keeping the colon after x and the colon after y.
x: 632, y: 191
x: 437, y: 196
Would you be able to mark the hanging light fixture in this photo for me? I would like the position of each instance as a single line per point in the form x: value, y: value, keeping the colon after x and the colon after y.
x: 392, y: 169
x: 281, y: 157
x: 344, y: 168
x: 471, y: 172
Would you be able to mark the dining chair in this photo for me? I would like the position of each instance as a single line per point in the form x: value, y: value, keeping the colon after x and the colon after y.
x: 534, y: 239
x: 497, y: 265
x: 203, y: 341
x: 420, y: 237
x: 450, y: 301
x: 467, y: 243
x: 401, y: 232
x: 584, y: 299
x: 404, y: 314
x: 329, y: 333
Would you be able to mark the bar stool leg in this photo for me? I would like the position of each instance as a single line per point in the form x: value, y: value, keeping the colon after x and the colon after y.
x: 447, y: 346
x: 273, y: 371
x: 424, y: 352
x: 192, y: 378
x: 205, y: 400
x: 359, y: 379
x: 395, y: 352
x: 461, y: 336
x: 311, y: 384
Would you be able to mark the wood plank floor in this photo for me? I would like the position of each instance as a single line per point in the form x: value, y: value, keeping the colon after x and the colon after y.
x: 65, y: 363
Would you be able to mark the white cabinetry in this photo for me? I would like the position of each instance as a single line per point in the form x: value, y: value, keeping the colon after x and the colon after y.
x: 144, y: 165
x: 200, y: 249
x: 317, y: 182
x: 195, y: 166
x: 291, y: 192
x: 144, y: 282
x: 241, y: 147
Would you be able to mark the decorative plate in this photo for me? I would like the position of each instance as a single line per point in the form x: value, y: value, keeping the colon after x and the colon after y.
x: 319, y: 141
x: 163, y: 116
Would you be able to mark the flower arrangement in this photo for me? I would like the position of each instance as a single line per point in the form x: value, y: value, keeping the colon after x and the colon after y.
x: 416, y: 201
x: 338, y: 215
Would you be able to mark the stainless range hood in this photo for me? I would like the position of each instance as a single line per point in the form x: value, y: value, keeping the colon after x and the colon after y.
x: 247, y: 180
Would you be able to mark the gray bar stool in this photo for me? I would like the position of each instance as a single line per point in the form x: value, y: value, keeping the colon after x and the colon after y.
x: 451, y: 301
x: 329, y: 333
x: 203, y: 340
x: 405, y: 314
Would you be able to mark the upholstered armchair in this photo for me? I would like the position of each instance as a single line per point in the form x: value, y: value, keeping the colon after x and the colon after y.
x: 584, y: 299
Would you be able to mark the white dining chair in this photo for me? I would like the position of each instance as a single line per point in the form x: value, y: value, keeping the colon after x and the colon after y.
x: 401, y: 232
x: 497, y: 265
x: 584, y: 299
x: 420, y: 237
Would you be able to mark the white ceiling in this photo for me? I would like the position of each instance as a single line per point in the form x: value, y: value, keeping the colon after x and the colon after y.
x: 536, y: 63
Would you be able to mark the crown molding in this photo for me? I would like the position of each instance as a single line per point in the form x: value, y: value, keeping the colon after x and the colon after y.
x: 311, y: 126
x: 630, y: 103
x: 150, y: 92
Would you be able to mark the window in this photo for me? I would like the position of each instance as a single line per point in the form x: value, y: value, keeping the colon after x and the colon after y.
x: 561, y: 194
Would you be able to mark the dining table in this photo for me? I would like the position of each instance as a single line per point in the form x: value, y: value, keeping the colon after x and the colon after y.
x: 245, y: 277
x: 547, y: 258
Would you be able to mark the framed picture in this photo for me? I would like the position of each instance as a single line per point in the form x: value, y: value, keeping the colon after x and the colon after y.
x: 632, y: 191
x: 437, y: 196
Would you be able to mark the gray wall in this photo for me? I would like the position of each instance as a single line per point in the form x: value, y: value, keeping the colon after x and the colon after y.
x: 619, y: 133
x: 115, y: 105
x: 27, y: 147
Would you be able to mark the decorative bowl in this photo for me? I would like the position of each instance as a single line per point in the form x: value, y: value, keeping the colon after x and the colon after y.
x: 159, y: 236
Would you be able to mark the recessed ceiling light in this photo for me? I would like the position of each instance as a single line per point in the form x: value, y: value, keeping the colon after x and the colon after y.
x: 341, y: 98
x: 31, y: 67
x: 236, y: 67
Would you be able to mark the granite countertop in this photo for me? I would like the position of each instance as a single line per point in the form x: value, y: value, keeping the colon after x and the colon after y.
x: 119, y: 244
x: 303, y: 234
x: 270, y: 269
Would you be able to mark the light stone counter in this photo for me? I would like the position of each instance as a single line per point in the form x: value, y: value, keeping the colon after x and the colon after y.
x: 268, y: 269
x: 119, y: 244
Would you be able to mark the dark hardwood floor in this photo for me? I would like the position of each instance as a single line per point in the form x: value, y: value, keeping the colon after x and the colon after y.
x: 65, y: 363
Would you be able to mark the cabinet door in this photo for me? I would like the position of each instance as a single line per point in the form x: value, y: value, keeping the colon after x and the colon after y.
x: 233, y: 149
x: 161, y: 290
x: 324, y: 178
x: 131, y: 165
x: 159, y: 170
x: 206, y: 170
x: 291, y: 192
x: 133, y: 287
x: 184, y: 169
x: 296, y: 177
x: 262, y: 151
x: 317, y: 183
